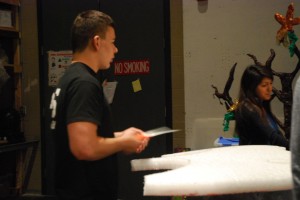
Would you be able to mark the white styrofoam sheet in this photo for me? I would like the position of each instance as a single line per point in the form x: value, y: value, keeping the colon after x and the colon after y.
x: 216, y: 171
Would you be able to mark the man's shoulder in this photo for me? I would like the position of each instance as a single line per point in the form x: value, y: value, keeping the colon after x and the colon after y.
x: 76, y: 69
x: 78, y: 72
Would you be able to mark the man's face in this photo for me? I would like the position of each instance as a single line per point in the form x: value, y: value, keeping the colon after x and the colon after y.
x: 107, y: 49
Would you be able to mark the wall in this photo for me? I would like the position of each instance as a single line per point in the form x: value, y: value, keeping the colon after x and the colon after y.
x: 177, y: 68
x: 216, y: 34
x: 31, y: 89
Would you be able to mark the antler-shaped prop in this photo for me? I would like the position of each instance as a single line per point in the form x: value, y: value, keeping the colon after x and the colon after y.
x: 268, y: 62
x: 225, y: 95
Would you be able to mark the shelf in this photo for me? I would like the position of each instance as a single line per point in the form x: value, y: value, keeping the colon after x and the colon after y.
x: 11, y: 2
x: 17, y: 68
x: 10, y: 41
x: 9, y: 32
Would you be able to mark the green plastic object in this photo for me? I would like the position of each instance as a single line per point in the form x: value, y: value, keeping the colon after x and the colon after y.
x: 293, y: 39
x: 227, y: 117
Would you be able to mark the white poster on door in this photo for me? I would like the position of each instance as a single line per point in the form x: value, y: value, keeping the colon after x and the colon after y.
x: 58, y: 61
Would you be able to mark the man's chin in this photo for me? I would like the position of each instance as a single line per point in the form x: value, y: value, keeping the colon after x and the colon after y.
x: 105, y: 67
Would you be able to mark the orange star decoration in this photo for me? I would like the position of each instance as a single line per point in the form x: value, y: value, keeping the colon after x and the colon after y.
x: 287, y: 24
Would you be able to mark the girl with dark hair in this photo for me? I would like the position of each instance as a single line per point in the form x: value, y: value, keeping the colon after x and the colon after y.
x: 255, y: 122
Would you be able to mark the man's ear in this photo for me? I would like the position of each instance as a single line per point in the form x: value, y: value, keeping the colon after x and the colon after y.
x: 96, y: 42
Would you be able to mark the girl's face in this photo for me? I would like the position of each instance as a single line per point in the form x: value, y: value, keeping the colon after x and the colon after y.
x: 264, y: 89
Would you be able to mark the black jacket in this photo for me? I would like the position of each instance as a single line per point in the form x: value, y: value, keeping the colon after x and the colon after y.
x: 253, y: 130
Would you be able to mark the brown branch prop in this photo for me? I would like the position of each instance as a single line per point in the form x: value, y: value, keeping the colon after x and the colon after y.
x: 225, y: 95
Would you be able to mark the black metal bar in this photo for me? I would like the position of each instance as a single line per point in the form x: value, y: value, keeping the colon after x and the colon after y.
x: 28, y: 160
x: 17, y: 146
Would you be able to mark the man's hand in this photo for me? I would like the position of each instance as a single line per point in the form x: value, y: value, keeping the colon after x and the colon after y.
x: 135, y: 141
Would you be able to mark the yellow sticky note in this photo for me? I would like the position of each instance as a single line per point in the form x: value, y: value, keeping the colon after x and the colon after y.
x: 136, y: 85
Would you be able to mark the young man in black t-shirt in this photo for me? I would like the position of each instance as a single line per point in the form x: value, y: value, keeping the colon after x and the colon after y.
x: 86, y: 144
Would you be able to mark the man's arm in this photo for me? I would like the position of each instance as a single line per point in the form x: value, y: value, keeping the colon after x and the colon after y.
x: 86, y: 145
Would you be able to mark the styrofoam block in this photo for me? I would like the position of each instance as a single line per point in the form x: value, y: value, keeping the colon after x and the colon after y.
x: 215, y: 171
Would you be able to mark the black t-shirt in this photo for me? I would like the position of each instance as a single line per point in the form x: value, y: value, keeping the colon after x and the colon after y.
x: 79, y: 97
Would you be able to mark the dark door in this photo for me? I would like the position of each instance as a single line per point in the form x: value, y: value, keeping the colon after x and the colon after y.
x: 141, y: 32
